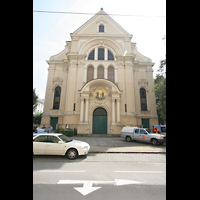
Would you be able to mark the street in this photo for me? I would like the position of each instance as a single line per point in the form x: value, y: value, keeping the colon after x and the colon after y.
x: 100, y: 176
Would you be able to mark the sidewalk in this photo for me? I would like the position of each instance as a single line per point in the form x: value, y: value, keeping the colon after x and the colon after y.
x: 118, y: 145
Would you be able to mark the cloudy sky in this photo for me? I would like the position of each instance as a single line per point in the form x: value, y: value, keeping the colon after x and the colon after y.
x: 50, y: 31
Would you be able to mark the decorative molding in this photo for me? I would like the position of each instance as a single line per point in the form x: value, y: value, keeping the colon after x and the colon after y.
x: 143, y: 82
x: 57, y: 81
x: 101, y: 42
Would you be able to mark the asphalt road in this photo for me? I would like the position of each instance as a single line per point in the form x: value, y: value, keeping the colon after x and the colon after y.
x: 100, y: 176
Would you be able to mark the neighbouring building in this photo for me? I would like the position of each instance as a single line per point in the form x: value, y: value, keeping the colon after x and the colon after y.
x: 100, y: 82
x: 40, y: 106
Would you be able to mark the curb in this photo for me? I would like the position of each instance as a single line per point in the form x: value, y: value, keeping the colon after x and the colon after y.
x: 131, y: 152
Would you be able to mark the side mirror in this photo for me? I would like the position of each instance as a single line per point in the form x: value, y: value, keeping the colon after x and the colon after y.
x: 60, y: 142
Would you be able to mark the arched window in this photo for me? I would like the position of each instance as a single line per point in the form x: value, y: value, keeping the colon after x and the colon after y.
x: 100, y: 72
x: 90, y: 73
x: 56, y: 101
x: 110, y: 56
x: 143, y: 99
x: 91, y: 55
x: 111, y: 74
x: 101, y: 28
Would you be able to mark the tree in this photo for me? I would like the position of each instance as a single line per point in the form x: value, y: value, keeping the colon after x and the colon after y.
x: 35, y: 97
x: 37, y: 118
x: 160, y: 92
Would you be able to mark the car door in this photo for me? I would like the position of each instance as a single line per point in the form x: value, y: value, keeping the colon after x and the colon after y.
x: 39, y: 144
x: 144, y: 137
x: 53, y: 147
x: 137, y: 134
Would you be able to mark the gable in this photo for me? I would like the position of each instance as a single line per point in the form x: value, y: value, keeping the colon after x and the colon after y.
x: 111, y: 27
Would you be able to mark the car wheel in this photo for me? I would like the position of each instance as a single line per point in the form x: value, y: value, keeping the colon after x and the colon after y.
x: 128, y: 138
x: 72, y: 154
x: 154, y: 142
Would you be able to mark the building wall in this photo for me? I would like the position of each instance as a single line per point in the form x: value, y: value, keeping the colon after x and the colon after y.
x: 68, y: 69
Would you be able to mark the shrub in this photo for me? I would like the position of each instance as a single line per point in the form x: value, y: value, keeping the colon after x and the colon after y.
x: 67, y: 133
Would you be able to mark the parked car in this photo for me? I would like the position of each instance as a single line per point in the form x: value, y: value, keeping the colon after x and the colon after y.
x: 140, y: 134
x: 58, y: 144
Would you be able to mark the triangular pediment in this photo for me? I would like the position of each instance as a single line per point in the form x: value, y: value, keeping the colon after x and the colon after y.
x: 111, y: 27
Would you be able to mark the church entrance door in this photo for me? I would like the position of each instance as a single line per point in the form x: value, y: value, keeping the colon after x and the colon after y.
x: 100, y: 121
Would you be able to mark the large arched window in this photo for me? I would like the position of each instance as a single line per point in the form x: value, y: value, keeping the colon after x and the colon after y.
x: 91, y: 55
x: 101, y: 54
x: 90, y: 73
x: 143, y: 99
x: 56, y: 101
x: 111, y: 74
x: 100, y: 72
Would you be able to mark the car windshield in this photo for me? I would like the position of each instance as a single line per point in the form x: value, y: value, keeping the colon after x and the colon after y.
x: 64, y: 138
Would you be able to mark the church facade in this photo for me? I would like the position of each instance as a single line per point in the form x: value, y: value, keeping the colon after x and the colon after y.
x: 100, y: 82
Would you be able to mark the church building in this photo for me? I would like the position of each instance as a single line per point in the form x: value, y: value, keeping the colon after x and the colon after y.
x: 100, y: 82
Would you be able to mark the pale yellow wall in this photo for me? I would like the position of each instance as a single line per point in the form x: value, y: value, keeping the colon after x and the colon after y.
x: 68, y: 66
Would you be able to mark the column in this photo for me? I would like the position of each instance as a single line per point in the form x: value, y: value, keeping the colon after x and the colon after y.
x: 82, y: 108
x: 106, y: 72
x: 106, y: 53
x: 96, y: 53
x: 116, y: 75
x: 95, y: 72
x: 86, y: 111
x: 85, y: 75
x: 113, y: 111
x: 118, y: 111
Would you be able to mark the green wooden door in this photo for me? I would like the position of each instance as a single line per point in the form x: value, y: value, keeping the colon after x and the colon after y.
x: 100, y: 121
x: 54, y: 121
x: 145, y: 123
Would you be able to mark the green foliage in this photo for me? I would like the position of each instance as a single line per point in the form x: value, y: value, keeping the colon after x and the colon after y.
x: 67, y: 133
x: 160, y: 92
x: 37, y: 118
x: 35, y: 97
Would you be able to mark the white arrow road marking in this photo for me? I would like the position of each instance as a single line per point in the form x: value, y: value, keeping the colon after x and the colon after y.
x: 119, y: 182
x: 87, y: 188
x: 87, y: 185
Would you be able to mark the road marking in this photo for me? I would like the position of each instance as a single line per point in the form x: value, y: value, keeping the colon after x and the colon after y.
x: 156, y: 172
x: 68, y: 171
x: 86, y: 189
x: 87, y: 185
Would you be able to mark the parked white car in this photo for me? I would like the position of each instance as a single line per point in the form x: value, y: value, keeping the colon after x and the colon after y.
x: 58, y: 144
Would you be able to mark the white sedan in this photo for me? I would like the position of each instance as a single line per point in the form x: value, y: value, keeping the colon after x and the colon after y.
x: 58, y: 144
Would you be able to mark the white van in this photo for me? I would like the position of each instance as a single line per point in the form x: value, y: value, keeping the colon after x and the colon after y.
x: 140, y: 134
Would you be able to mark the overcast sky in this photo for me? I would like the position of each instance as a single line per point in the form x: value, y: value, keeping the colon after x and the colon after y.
x: 50, y: 31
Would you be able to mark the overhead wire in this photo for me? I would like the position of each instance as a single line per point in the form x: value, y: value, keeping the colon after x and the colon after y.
x: 42, y: 11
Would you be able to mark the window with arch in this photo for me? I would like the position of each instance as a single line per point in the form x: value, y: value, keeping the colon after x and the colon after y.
x: 90, y: 73
x: 111, y: 74
x: 143, y: 99
x: 101, y: 28
x: 56, y: 101
x: 100, y: 72
x: 91, y: 55
x: 101, y: 54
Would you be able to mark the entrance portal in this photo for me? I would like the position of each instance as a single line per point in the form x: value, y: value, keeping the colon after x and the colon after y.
x: 100, y: 121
